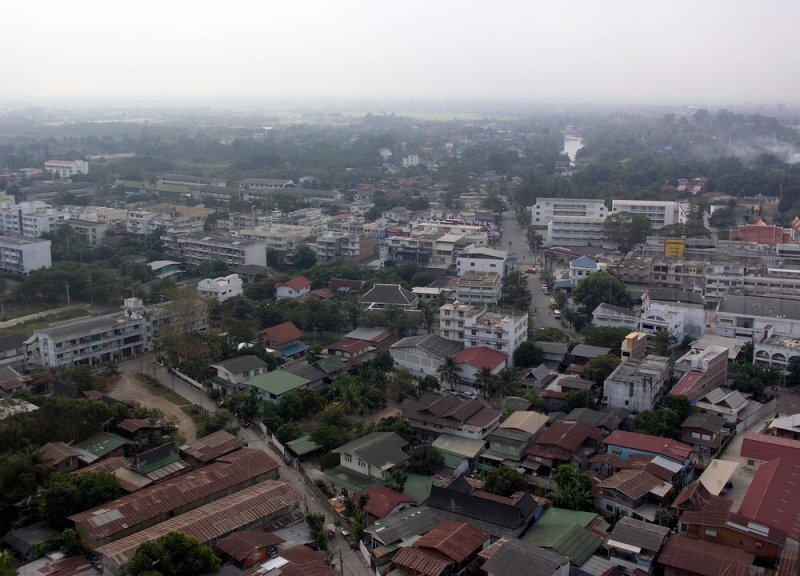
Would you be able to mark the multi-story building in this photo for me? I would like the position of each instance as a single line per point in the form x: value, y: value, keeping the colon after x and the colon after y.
x: 660, y: 212
x: 27, y: 219
x: 410, y: 161
x: 221, y: 288
x: 638, y: 384
x: 143, y: 222
x: 475, y: 287
x: 66, y: 168
x: 700, y: 371
x: 265, y: 184
x: 336, y: 245
x: 476, y: 326
x: 577, y: 231
x: 281, y: 237
x: 755, y: 317
x: 410, y: 249
x: 662, y: 317
x: 545, y: 209
x: 482, y: 259
x: 197, y: 248
x: 191, y: 181
x: 91, y: 232
x: 112, y: 337
x: 49, y: 190
x: 19, y: 256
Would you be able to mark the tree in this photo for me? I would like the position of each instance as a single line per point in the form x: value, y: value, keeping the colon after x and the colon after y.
x: 396, y: 424
x: 397, y: 479
x: 515, y: 292
x: 428, y: 384
x: 549, y: 334
x: 449, y: 372
x: 7, y: 564
x: 663, y: 342
x: 173, y: 554
x: 508, y: 381
x: 627, y: 229
x: 681, y: 405
x: 504, y: 481
x: 425, y: 460
x: 574, y: 489
x: 528, y: 354
x: 428, y: 316
x: 600, y: 367
x: 67, y: 494
x: 598, y: 288
x: 317, y: 530
x: 579, y: 399
x: 288, y: 432
x: 607, y: 336
x: 304, y: 258
x: 291, y: 407
x: 486, y: 380
x: 663, y: 422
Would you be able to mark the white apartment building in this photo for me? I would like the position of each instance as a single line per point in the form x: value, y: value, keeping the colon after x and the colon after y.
x: 475, y: 287
x: 197, y: 248
x: 662, y: 317
x: 410, y: 161
x: 143, y: 222
x: 221, y: 288
x: 27, y: 219
x: 756, y: 317
x: 91, y: 232
x: 660, y: 213
x: 66, y: 168
x: 476, y: 326
x: 482, y: 259
x: 545, y: 209
x: 111, y: 337
x: 20, y: 256
x: 577, y: 231
x: 265, y: 184
x: 282, y: 237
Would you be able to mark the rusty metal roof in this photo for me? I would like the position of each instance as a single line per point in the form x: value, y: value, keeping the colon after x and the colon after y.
x: 205, y: 483
x: 213, y: 520
x: 705, y: 558
x: 418, y: 561
x: 213, y: 446
x: 455, y: 540
x: 240, y: 545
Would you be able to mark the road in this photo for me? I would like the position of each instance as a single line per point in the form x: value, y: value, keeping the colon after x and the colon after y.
x: 354, y: 564
x: 514, y: 240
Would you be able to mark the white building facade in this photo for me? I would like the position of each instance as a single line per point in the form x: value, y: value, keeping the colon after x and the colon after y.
x: 66, y: 168
x: 660, y: 213
x: 476, y: 326
x: 221, y: 288
x: 481, y: 259
x: 19, y: 256
x: 545, y: 209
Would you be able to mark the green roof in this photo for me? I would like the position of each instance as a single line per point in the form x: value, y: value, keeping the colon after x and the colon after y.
x: 277, y: 382
x: 451, y: 460
x: 570, y: 540
x: 101, y: 444
x: 330, y: 364
x: 418, y: 487
x: 565, y: 516
x: 303, y: 445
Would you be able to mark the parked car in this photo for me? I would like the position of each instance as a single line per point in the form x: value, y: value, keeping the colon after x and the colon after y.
x: 530, y: 271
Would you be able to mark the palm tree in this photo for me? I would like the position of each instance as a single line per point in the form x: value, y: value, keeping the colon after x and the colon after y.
x: 449, y: 372
x: 508, y: 381
x: 486, y: 380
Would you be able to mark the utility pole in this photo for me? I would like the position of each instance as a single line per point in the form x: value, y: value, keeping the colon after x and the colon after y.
x: 68, y: 300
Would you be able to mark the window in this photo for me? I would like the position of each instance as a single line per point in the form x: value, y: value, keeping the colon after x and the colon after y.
x: 348, y: 458
x: 711, y: 533
x: 361, y: 463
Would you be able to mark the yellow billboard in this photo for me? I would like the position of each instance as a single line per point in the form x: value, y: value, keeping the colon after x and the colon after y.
x: 674, y: 247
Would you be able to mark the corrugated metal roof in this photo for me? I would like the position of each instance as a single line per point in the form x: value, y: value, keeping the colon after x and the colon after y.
x: 570, y: 540
x: 456, y: 540
x: 214, y: 445
x: 213, y: 520
x: 418, y: 561
x: 705, y: 558
x: 517, y: 558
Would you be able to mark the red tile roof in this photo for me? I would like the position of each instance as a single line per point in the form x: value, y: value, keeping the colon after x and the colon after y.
x: 567, y: 435
x: 455, y: 540
x: 705, y: 558
x: 666, y: 447
x: 296, y: 284
x: 286, y: 332
x: 765, y: 448
x: 383, y: 500
x: 481, y: 357
x: 772, y: 498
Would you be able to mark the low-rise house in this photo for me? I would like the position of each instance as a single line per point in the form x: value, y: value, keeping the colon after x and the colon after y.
x: 281, y: 337
x: 221, y: 288
x: 158, y: 464
x: 374, y: 455
x: 553, y: 353
x: 383, y: 296
x: 208, y: 448
x: 571, y: 533
x: 272, y: 386
x: 247, y: 548
x: 28, y: 541
x: 785, y: 427
x: 705, y: 432
x: 760, y: 448
x: 423, y: 355
x: 267, y: 503
x: 471, y: 360
x: 509, y: 442
x: 700, y: 371
x: 100, y: 446
x: 634, y: 545
x: 345, y: 287
x: 771, y: 498
x: 607, y: 419
x: 293, y: 289
x: 582, y: 267
x: 626, y: 444
x: 382, y: 502
x: 137, y: 430
x: 635, y: 493
x: 734, y: 530
x: 232, y: 373
x: 347, y: 348
x: 60, y: 457
x: 517, y: 558
x: 562, y: 443
x: 582, y: 354
x: 683, y: 556
x: 448, y: 548
x: 432, y: 415
x: 460, y: 454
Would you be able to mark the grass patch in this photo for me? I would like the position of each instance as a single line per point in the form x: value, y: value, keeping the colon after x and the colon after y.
x: 31, y: 325
x: 158, y: 389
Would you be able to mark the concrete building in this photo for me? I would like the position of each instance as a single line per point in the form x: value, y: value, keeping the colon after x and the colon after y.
x: 90, y: 232
x: 265, y: 184
x: 577, y: 231
x: 660, y: 213
x: 640, y: 381
x: 776, y: 351
x: 221, y: 288
x: 66, y: 168
x: 18, y: 256
x: 190, y: 181
x: 583, y: 267
x: 483, y: 288
x: 482, y: 259
x: 755, y: 317
x: 615, y: 317
x: 700, y: 371
x: 339, y: 245
x: 374, y: 455
x: 27, y: 220
x: 423, y: 355
x: 111, y: 337
x: 293, y: 289
x: 197, y: 248
x: 662, y: 317
x: 475, y: 326
x: 281, y: 237
x: 545, y: 209
x: 410, y: 161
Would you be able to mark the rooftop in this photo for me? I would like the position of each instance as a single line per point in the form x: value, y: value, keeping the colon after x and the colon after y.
x: 433, y: 344
x: 383, y: 450
x: 643, y: 535
x: 769, y: 307
x: 666, y: 447
x: 481, y: 357
x: 213, y: 446
x: 240, y: 364
x: 772, y: 496
x: 277, y: 382
x: 705, y: 558
x: 518, y: 558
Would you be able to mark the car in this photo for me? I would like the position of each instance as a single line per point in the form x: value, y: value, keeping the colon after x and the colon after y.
x: 530, y: 271
x: 546, y: 292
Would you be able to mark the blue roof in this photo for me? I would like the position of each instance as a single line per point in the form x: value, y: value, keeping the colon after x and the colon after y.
x: 293, y: 349
x: 563, y: 284
x: 584, y: 262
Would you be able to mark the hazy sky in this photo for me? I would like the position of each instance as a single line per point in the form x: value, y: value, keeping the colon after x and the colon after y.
x: 693, y: 51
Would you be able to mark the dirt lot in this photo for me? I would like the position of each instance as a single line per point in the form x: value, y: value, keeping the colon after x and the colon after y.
x: 129, y: 389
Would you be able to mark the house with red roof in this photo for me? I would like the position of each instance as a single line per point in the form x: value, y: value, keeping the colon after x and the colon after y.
x: 563, y: 443
x: 471, y: 360
x: 382, y: 502
x: 448, y: 548
x: 293, y: 289
x: 772, y: 497
x: 683, y: 556
x: 734, y: 530
x: 759, y: 448
x: 280, y: 336
x: 626, y: 444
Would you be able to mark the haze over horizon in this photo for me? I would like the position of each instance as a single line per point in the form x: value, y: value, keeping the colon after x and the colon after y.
x: 707, y: 51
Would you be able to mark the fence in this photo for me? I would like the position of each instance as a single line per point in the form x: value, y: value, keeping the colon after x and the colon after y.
x: 188, y: 379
